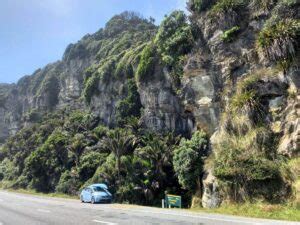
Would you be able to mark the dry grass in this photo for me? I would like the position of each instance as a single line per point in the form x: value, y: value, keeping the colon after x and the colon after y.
x: 258, y: 210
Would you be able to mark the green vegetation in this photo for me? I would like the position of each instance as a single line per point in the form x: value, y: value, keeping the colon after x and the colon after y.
x: 246, y: 162
x: 189, y: 159
x: 146, y: 66
x: 258, y: 210
x: 279, y: 42
x: 230, y: 35
x: 258, y: 5
x: 4, y: 90
x: 224, y: 6
x: 199, y: 5
x: 130, y: 106
x: 120, y: 43
x: 174, y: 40
x: 68, y: 150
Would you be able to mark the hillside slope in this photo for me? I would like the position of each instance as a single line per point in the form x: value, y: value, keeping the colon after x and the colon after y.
x: 205, y: 106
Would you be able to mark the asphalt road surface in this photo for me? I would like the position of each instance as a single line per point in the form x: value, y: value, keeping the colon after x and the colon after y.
x: 21, y: 209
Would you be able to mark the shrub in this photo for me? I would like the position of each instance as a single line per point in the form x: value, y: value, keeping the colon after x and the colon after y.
x: 245, y: 158
x: 224, y: 6
x: 279, y: 42
x: 230, y: 34
x: 100, y: 131
x: 189, y: 158
x: 199, y: 5
x: 45, y: 165
x: 146, y: 67
x: 7, y: 170
x: 130, y: 106
x: 89, y: 164
x: 68, y: 183
x: 174, y: 38
x: 246, y: 99
x: 90, y: 88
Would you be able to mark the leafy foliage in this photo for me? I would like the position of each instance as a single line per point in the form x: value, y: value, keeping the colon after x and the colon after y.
x: 130, y: 106
x: 46, y: 164
x: 146, y: 67
x: 174, y: 38
x: 279, y: 42
x: 189, y: 159
x: 199, y: 5
x: 245, y: 158
x: 224, y: 6
x: 120, y: 143
x: 120, y: 45
x: 230, y: 34
x: 68, y: 183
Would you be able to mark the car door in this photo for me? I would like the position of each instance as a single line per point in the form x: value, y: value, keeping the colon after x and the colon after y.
x: 83, y: 194
x: 88, y: 194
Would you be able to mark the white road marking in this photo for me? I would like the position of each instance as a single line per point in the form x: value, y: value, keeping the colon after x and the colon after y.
x: 104, y: 222
x: 43, y: 210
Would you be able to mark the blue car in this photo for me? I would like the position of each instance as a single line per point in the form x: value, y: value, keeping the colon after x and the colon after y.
x: 96, y: 193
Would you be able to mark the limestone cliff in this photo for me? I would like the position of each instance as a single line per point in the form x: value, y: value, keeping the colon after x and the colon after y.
x: 122, y: 70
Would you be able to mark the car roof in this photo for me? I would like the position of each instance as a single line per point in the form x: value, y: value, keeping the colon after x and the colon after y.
x: 99, y: 185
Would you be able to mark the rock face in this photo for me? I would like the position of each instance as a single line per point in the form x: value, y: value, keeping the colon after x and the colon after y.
x: 211, y: 197
x: 288, y: 122
x: 163, y: 110
x: 216, y: 64
x: 58, y: 85
x: 211, y: 73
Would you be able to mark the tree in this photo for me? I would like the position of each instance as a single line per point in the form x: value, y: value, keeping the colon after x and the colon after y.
x: 188, y: 161
x: 45, y: 165
x: 159, y: 151
x: 120, y: 143
x: 89, y: 163
x: 78, y: 143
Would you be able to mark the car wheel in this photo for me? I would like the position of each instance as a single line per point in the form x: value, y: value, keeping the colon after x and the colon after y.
x: 81, y: 199
x: 93, y: 200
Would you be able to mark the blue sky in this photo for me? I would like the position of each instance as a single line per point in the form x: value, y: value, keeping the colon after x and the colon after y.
x: 34, y: 33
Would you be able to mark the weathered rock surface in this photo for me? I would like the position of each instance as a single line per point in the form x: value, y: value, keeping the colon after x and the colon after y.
x: 213, y: 68
x: 211, y: 196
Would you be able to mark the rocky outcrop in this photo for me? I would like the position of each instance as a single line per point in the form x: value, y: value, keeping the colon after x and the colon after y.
x: 58, y: 85
x: 163, y: 110
x: 211, y: 194
x: 211, y: 73
x: 288, y: 123
x: 216, y: 65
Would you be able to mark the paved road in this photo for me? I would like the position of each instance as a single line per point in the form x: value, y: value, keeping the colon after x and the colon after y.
x: 20, y: 209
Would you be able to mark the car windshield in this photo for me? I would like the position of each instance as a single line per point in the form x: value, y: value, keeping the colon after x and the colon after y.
x: 98, y: 189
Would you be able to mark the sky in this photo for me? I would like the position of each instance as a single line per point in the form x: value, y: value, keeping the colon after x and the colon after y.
x: 34, y: 33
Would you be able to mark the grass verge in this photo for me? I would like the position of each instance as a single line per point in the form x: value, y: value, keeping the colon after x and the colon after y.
x: 258, y: 210
x: 32, y: 192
